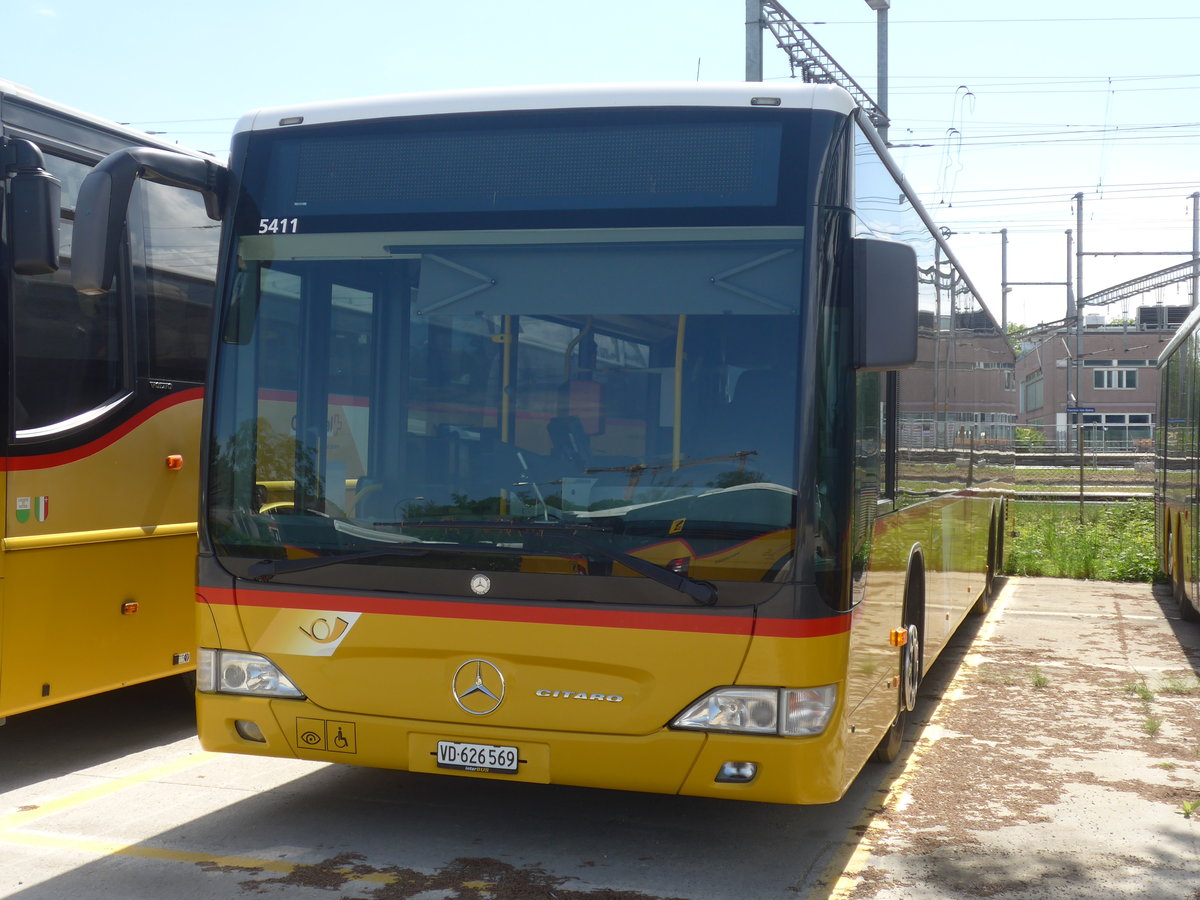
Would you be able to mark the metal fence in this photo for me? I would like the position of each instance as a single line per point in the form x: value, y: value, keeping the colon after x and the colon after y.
x: 1095, y: 437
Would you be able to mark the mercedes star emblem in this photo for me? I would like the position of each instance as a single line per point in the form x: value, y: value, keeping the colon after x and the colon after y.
x: 478, y: 687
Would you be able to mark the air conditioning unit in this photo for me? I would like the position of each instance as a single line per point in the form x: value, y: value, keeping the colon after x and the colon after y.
x: 1159, y: 318
x: 1152, y: 318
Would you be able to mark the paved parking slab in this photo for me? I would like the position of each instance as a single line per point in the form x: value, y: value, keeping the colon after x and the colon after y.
x: 1054, y: 751
x: 1062, y: 763
x: 112, y: 799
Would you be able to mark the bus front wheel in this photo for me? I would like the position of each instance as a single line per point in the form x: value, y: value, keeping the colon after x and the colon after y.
x: 910, y: 681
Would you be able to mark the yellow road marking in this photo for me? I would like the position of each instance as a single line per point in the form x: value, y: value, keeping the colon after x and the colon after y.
x: 162, y: 854
x: 9, y: 825
x: 113, y: 848
x: 112, y: 786
x: 895, y: 794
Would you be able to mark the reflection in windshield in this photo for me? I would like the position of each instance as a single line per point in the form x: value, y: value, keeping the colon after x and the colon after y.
x: 642, y: 395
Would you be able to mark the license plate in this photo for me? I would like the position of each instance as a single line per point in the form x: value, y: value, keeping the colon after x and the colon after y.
x: 477, y: 757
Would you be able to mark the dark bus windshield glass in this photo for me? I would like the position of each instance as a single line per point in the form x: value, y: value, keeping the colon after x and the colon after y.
x: 579, y: 387
x: 643, y: 393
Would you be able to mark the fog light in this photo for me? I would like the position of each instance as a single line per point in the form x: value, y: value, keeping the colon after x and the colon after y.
x: 737, y: 772
x: 249, y: 731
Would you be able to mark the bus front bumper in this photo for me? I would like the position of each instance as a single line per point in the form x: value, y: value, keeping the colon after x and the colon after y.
x: 786, y: 770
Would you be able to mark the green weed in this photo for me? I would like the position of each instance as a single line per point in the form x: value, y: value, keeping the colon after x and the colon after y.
x: 1174, y: 684
x: 1140, y: 690
x: 1114, y: 543
x: 1152, y: 724
x: 1038, y: 678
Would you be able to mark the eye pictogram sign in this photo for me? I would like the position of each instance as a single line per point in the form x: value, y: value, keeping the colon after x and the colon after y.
x: 322, y: 734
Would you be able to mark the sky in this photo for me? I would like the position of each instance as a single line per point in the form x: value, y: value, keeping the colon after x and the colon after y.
x: 1001, y: 112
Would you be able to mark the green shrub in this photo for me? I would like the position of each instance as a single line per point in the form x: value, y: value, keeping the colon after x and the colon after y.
x: 1115, y: 542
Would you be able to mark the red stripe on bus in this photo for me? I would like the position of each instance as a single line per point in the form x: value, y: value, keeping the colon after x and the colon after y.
x: 110, y: 437
x: 700, y: 623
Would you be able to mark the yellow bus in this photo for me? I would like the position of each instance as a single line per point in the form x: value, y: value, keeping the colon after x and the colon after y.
x: 640, y: 437
x: 1177, y: 479
x: 101, y: 420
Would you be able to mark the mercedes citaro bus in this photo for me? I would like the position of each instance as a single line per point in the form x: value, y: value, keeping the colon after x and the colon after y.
x: 642, y: 437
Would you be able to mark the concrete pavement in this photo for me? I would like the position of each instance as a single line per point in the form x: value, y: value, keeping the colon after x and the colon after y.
x: 1062, y: 763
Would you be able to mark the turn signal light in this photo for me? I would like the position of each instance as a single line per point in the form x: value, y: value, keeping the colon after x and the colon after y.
x: 898, y: 637
x: 175, y: 462
x: 129, y: 607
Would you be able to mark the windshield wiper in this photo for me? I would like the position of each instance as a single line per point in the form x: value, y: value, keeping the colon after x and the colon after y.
x: 267, y: 569
x: 702, y: 592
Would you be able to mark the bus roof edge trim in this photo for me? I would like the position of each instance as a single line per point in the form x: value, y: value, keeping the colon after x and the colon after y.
x: 736, y: 94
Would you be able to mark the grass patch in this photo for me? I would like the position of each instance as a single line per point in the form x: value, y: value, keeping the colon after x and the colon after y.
x: 1180, y: 687
x: 1140, y: 690
x: 991, y: 675
x: 1038, y: 678
x: 1115, y: 541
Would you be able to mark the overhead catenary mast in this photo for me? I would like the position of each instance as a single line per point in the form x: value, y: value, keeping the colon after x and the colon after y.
x: 805, y: 55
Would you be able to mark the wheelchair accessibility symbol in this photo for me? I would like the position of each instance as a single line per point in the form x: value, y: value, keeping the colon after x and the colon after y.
x: 322, y: 734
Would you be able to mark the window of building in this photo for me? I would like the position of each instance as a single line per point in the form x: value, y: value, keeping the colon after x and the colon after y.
x: 1115, y: 379
x: 1032, y: 392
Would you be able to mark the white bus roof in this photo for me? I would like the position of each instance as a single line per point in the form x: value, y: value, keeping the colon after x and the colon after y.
x: 594, y: 96
x: 25, y: 95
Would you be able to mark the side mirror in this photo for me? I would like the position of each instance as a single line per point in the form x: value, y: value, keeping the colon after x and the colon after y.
x: 103, y: 205
x: 885, y: 304
x: 34, y: 198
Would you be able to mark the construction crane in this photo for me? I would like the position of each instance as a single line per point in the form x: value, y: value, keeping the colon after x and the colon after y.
x: 806, y: 55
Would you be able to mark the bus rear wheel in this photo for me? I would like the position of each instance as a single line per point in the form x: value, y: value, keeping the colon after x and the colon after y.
x: 1187, y: 611
x: 986, y: 597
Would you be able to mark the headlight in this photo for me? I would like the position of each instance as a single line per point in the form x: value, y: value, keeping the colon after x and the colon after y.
x: 792, y: 712
x: 231, y: 672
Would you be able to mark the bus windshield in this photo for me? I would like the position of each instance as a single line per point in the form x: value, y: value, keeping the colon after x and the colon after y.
x: 403, y: 406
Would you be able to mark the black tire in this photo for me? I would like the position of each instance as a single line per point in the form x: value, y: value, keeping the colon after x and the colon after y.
x: 1187, y: 611
x: 906, y: 698
x: 984, y: 603
x: 889, y: 748
x: 1001, y: 528
x: 911, y: 670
